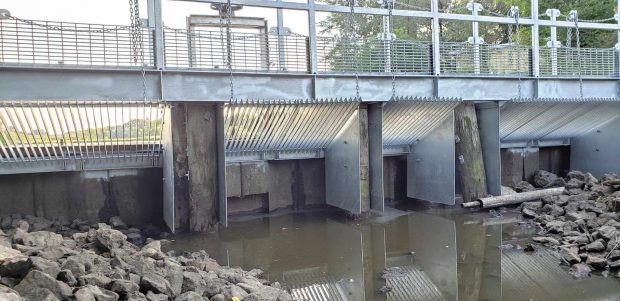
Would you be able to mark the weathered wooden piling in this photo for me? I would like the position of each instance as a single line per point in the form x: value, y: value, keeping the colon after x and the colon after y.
x: 469, y: 160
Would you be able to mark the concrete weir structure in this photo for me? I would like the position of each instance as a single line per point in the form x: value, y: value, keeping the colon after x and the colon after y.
x: 192, y: 132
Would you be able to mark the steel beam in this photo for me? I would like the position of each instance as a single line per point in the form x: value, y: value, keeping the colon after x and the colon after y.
x: 39, y: 166
x: 407, y: 13
x: 184, y: 85
x: 156, y: 24
x: 221, y: 167
x: 431, y: 169
x: 488, y: 124
x: 375, y: 155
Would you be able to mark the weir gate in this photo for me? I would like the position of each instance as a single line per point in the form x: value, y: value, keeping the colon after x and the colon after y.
x: 221, y: 104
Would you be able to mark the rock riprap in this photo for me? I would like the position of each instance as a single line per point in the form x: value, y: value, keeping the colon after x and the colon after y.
x: 582, y: 224
x: 58, y: 260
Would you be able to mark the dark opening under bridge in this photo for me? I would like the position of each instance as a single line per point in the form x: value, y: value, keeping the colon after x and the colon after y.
x: 214, y: 103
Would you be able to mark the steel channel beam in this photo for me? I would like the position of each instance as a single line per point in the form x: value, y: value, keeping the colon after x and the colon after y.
x: 407, y: 13
x: 488, y: 123
x: 103, y: 85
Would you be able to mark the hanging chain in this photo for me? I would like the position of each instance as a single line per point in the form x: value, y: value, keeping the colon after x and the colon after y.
x: 229, y: 47
x: 137, y: 42
x: 392, y: 37
x: 516, y: 14
x: 578, y: 44
x: 350, y: 33
x: 569, y: 32
x: 62, y: 28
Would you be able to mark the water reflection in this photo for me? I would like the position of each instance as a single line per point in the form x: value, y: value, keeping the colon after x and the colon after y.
x: 430, y: 256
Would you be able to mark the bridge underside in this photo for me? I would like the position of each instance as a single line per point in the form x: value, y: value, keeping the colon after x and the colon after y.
x: 229, y: 152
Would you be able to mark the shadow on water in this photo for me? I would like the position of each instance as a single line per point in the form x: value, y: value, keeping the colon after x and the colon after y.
x: 432, y: 254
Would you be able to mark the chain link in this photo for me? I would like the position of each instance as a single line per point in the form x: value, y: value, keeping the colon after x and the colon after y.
x: 137, y: 41
x: 578, y: 42
x: 350, y: 32
x: 61, y: 28
x: 392, y: 37
x: 229, y: 46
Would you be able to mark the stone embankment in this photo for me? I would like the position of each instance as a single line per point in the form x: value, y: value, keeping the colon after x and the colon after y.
x: 582, y: 224
x: 56, y: 260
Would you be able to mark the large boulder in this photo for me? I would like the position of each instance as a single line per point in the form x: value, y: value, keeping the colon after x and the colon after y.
x: 90, y: 292
x: 109, y: 238
x: 37, y: 279
x: 124, y: 287
x: 42, y: 239
x: 46, y: 266
x: 155, y: 283
x: 40, y: 294
x: 545, y: 179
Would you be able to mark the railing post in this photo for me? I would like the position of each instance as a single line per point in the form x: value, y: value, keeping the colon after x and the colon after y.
x: 156, y: 25
x: 386, y: 37
x: 435, y: 37
x: 280, y: 34
x: 553, y: 43
x: 312, y: 37
x: 475, y: 39
x: 617, y: 17
x: 535, y: 40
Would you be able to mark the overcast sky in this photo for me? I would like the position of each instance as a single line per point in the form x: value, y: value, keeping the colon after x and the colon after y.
x: 117, y: 12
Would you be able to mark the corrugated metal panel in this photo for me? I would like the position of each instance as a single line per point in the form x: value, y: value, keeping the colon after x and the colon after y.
x: 404, y: 122
x: 313, y: 285
x: 282, y: 127
x: 538, y: 276
x: 79, y: 131
x: 525, y: 121
x: 413, y: 284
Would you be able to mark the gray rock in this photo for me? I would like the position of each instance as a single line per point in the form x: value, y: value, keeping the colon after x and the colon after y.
x: 596, y: 246
x: 231, y: 290
x: 124, y: 287
x: 5, y: 222
x: 575, y: 174
x: 9, y: 281
x: 189, y: 296
x: 557, y: 210
x: 21, y: 224
x: 42, y: 239
x: 529, y: 213
x: 596, y: 262
x: 218, y: 297
x: 46, y: 266
x: 40, y: 294
x: 136, y: 296
x: 67, y: 277
x: 174, y: 275
x: 555, y: 227
x: 574, y: 184
x: 155, y: 283
x: 36, y: 279
x: 615, y: 265
x: 607, y: 232
x: 135, y: 238
x: 94, y: 279
x: 74, y: 265
x: 546, y: 240
x: 13, y: 263
x: 524, y: 186
x: 580, y: 270
x: 545, y: 179
x: 156, y: 297
x: 109, y: 238
x: 214, y: 286
x: 117, y: 223
x: 90, y: 292
x: 13, y: 296
x: 193, y: 282
x: 535, y: 205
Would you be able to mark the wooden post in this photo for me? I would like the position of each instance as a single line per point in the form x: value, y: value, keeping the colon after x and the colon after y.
x: 469, y: 160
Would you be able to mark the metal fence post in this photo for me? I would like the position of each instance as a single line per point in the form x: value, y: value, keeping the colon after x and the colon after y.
x: 436, y: 38
x: 156, y: 28
x: 554, y: 44
x: 386, y: 37
x: 280, y: 32
x: 535, y: 40
x: 312, y: 37
x: 617, y: 17
x: 476, y: 40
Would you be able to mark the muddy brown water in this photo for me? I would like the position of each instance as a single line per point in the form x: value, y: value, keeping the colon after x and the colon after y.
x: 431, y: 253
